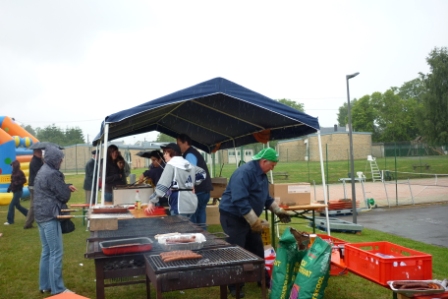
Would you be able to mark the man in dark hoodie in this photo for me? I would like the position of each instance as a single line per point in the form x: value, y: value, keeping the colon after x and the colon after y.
x: 50, y: 192
x: 18, y: 179
x: 35, y: 164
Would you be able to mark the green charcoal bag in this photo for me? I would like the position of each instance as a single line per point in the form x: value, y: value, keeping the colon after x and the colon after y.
x: 314, y: 271
x: 286, y: 265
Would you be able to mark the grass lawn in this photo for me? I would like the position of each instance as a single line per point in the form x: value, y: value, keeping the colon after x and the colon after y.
x: 20, y: 253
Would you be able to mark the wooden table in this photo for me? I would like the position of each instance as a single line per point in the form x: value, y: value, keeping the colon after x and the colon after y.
x: 298, y: 212
x: 85, y: 207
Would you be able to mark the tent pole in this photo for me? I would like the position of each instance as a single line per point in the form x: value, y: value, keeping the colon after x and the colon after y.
x: 272, y: 176
x: 323, y: 183
x: 103, y: 179
x: 98, y: 170
x: 94, y: 184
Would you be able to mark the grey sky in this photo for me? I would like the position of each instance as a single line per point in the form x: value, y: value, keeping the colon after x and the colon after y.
x: 74, y: 62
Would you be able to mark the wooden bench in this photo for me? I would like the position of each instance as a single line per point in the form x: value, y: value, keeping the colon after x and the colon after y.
x: 425, y: 166
x: 283, y: 174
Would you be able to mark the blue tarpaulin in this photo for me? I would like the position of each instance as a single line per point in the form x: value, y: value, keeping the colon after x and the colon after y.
x: 216, y: 114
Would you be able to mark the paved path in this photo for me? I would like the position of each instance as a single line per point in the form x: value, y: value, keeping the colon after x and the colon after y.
x: 425, y: 223
x: 418, y: 212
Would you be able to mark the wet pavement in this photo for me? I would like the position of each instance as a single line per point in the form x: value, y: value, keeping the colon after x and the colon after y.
x: 426, y: 223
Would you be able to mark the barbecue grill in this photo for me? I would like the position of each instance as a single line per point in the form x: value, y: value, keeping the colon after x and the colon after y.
x: 122, y: 269
x: 218, y: 266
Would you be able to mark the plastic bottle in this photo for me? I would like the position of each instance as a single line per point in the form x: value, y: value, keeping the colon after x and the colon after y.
x: 137, y: 200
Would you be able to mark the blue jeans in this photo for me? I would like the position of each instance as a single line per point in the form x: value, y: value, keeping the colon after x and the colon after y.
x: 50, y: 267
x: 199, y: 216
x: 15, y: 203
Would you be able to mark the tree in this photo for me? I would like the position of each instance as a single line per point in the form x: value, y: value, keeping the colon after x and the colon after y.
x: 30, y: 130
x: 73, y: 136
x: 435, y: 100
x: 363, y: 116
x: 414, y: 89
x: 343, y: 113
x: 395, y: 117
x: 293, y: 104
x: 57, y: 135
x: 165, y: 138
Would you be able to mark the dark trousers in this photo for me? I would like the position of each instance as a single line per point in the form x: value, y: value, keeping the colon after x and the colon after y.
x: 240, y: 234
x: 30, y: 217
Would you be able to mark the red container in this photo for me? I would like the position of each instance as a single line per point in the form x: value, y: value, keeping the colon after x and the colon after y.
x: 158, y: 211
x: 126, y: 246
x: 383, y: 261
x: 333, y: 240
x: 338, y: 268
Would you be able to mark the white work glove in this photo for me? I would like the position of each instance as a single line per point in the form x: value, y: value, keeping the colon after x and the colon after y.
x: 281, y: 214
x: 256, y: 224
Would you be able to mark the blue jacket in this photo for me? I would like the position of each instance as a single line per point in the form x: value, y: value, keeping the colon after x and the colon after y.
x: 248, y: 189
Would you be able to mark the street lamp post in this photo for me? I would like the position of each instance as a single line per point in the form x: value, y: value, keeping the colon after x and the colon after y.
x: 352, y: 162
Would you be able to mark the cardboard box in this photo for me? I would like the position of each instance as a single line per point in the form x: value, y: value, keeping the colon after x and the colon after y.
x: 219, y: 186
x: 291, y: 194
x: 212, y: 214
x: 127, y: 196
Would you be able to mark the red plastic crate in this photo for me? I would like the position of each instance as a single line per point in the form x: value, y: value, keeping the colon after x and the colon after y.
x: 383, y: 261
x: 334, y: 240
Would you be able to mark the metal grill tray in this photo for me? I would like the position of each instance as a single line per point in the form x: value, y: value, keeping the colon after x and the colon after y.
x: 411, y: 292
x: 210, y: 257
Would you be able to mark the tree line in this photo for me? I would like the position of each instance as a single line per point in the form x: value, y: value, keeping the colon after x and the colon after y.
x: 419, y: 108
x: 57, y: 135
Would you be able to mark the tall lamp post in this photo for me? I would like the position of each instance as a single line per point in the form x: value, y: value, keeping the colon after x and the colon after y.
x: 352, y: 162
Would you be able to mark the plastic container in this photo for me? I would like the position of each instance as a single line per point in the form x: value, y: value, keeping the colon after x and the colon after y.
x: 125, y: 246
x: 266, y: 236
x: 384, y: 261
x: 158, y: 211
x: 331, y: 239
x: 197, y: 244
x: 138, y: 202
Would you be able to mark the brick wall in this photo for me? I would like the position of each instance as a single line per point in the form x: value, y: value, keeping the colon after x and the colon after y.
x: 336, y: 146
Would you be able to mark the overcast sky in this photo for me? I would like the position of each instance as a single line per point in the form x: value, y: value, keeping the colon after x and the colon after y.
x: 72, y: 63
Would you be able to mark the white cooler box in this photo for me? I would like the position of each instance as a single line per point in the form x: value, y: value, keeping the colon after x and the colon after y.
x: 126, y: 196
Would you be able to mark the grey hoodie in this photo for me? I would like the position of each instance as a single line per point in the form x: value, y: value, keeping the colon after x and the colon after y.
x: 50, y: 190
x: 179, y: 174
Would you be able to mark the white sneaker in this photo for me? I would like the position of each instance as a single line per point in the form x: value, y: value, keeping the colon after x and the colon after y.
x: 68, y: 291
x: 6, y: 223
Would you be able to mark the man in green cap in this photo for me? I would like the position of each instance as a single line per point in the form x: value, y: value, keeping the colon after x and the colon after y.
x: 243, y: 201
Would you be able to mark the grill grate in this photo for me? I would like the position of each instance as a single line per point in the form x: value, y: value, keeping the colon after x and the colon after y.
x: 149, y: 227
x: 210, y: 258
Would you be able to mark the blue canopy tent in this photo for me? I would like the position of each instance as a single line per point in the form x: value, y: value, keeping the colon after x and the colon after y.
x: 216, y: 114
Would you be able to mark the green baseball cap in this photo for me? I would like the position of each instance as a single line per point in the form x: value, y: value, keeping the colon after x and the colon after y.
x: 268, y: 154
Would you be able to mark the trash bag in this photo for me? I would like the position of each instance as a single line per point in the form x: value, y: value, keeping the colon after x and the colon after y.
x: 286, y: 265
x: 314, y: 271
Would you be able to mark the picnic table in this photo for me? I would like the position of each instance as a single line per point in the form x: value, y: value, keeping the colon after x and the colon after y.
x: 425, y: 166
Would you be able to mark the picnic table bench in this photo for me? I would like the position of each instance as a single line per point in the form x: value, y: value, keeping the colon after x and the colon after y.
x: 283, y: 174
x: 426, y: 166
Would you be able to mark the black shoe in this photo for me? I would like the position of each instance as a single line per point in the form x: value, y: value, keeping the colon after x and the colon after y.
x: 45, y: 291
x: 233, y: 293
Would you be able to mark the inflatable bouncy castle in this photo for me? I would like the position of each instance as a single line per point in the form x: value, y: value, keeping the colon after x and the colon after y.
x: 14, y: 145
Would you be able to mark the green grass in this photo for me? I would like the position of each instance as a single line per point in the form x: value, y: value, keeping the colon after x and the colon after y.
x: 20, y: 253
